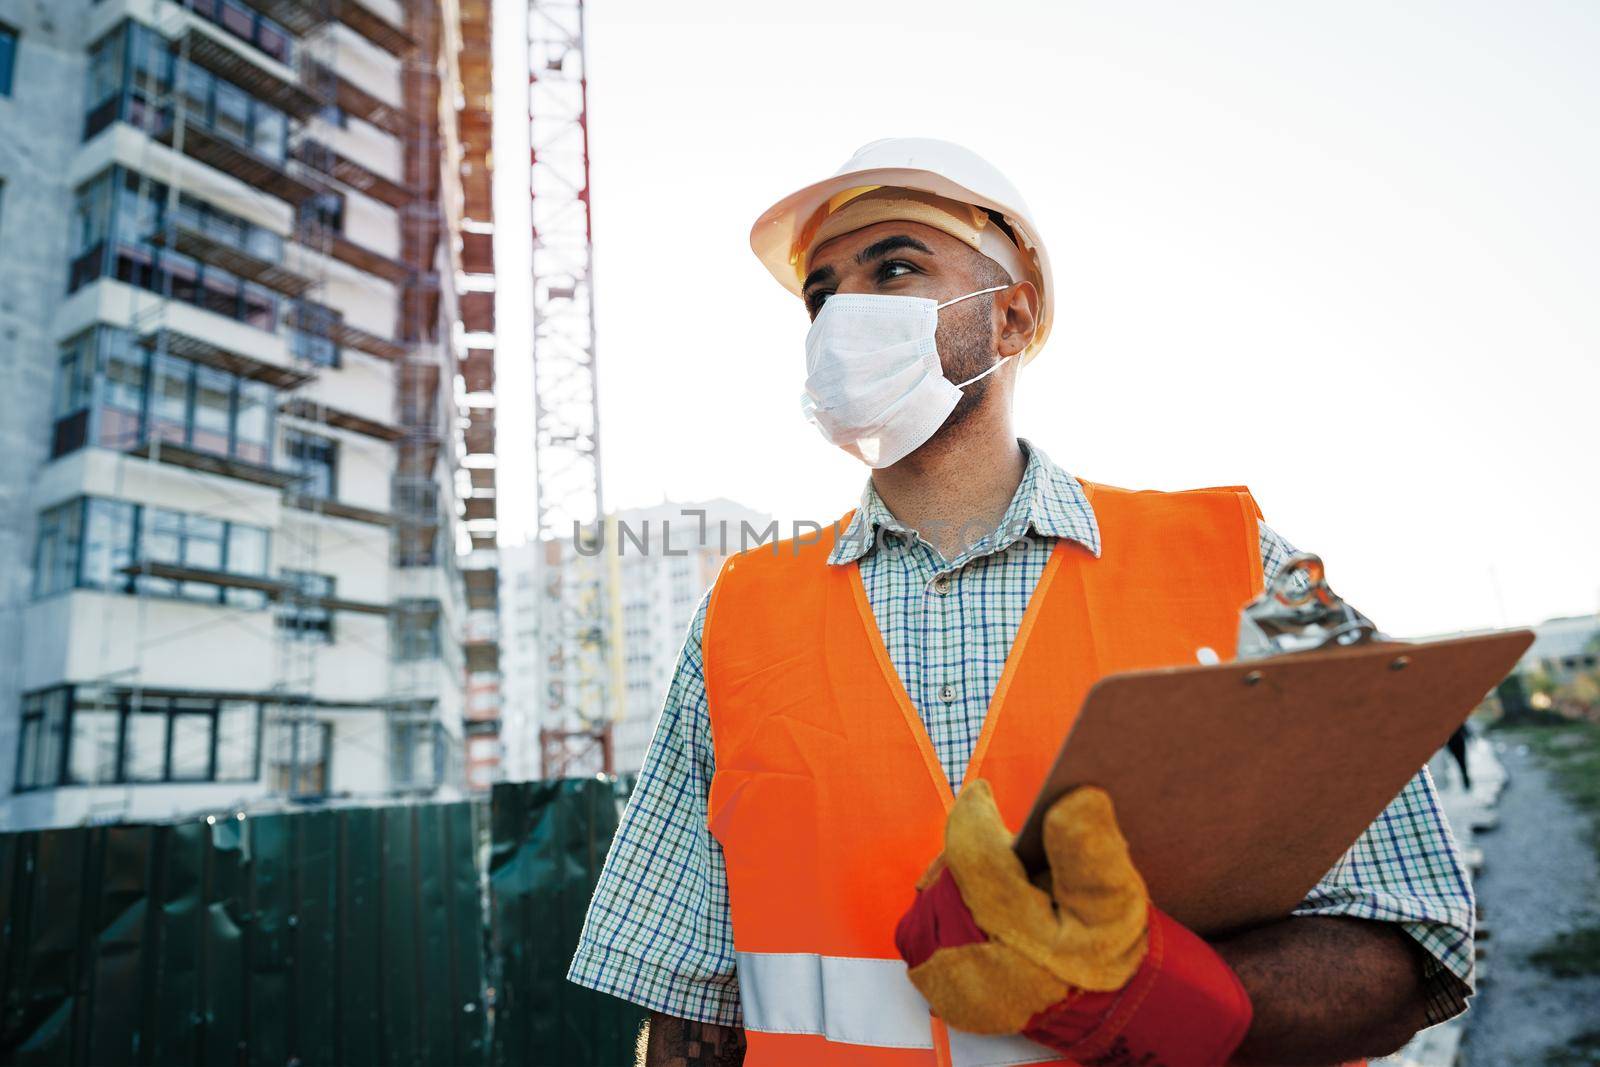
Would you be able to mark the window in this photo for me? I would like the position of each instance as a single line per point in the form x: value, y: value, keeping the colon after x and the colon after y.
x: 322, y: 213
x: 232, y: 118
x: 191, y: 730
x: 211, y: 425
x: 169, y: 398
x: 245, y: 24
x: 144, y: 744
x: 117, y: 219
x: 300, y: 611
x: 105, y: 74
x: 413, y: 754
x: 238, y: 736
x: 313, y: 329
x: 8, y: 58
x: 108, y: 533
x: 247, y: 556
x: 138, y: 92
x: 41, y: 745
x: 96, y: 736
x: 298, y: 751
x: 252, y: 427
x: 414, y: 630
x: 194, y: 405
x: 315, y: 460
x: 122, y: 369
x: 74, y: 394
x: 93, y: 543
x: 60, y: 540
x: 80, y: 735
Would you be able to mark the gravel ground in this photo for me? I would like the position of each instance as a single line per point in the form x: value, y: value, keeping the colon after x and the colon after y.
x: 1539, y: 878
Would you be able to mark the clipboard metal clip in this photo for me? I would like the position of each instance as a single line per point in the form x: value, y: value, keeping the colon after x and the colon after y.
x: 1298, y: 612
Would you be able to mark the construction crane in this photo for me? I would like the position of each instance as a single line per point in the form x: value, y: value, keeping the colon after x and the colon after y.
x: 576, y: 624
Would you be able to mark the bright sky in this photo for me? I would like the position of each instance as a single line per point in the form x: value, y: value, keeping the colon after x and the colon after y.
x: 1347, y: 255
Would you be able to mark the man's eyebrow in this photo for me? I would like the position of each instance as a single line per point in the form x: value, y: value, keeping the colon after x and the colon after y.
x: 873, y: 251
x: 890, y: 244
x: 821, y: 274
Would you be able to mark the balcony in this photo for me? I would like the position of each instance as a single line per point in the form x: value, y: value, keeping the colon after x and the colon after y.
x: 348, y: 336
x: 275, y: 589
x: 300, y: 16
x: 483, y: 657
x: 163, y: 451
x: 479, y: 437
x: 330, y: 241
x: 354, y: 100
x: 233, y: 158
x: 318, y: 505
x: 342, y: 168
x: 200, y: 350
x: 477, y: 252
x: 192, y: 241
x: 480, y: 509
x: 477, y: 312
x: 178, y: 572
x: 482, y: 587
x: 375, y: 28
x: 311, y: 410
x: 206, y: 48
x: 477, y: 370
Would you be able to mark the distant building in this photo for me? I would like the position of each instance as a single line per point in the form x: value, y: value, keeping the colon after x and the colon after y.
x: 229, y: 513
x: 1563, y: 647
x: 660, y: 562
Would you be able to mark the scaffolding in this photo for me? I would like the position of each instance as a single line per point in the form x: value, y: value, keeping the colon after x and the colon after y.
x: 474, y: 129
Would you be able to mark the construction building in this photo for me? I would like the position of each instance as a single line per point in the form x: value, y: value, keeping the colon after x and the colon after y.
x: 658, y: 563
x: 247, y: 523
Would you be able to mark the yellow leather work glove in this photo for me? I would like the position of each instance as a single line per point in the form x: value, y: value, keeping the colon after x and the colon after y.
x: 1088, y: 934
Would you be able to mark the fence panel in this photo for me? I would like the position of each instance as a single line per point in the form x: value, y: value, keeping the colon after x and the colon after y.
x: 344, y: 936
x: 549, y: 842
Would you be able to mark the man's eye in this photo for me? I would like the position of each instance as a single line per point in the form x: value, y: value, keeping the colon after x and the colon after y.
x: 816, y: 299
x: 894, y: 268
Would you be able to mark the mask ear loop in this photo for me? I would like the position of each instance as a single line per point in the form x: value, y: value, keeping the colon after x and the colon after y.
x: 969, y: 296
x: 1001, y: 362
x: 997, y: 363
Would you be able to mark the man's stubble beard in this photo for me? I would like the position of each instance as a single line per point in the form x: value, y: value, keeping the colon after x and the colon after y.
x: 966, y: 348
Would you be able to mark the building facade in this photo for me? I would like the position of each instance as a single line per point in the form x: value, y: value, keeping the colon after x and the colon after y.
x: 236, y: 529
x: 658, y: 563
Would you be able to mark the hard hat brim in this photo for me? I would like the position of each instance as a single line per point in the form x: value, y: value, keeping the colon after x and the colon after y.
x: 773, y: 235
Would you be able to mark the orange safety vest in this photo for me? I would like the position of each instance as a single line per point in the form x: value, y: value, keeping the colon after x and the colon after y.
x: 828, y: 799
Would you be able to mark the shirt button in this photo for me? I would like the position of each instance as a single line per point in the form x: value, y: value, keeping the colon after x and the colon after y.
x: 941, y: 584
x: 947, y: 693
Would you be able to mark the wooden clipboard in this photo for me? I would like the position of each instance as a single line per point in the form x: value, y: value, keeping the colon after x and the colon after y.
x: 1239, y: 785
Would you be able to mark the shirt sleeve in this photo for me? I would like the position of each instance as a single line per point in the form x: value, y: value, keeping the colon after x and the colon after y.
x: 1406, y: 869
x: 658, y: 932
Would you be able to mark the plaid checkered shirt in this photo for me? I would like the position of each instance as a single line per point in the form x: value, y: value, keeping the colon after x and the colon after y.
x: 658, y: 931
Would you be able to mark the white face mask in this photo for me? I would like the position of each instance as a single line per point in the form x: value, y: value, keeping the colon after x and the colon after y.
x: 874, y: 383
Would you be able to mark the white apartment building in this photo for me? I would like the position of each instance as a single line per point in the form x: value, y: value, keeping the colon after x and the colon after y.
x: 230, y: 523
x: 660, y: 562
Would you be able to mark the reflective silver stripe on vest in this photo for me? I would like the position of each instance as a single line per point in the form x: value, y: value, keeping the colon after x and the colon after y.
x: 861, y: 1002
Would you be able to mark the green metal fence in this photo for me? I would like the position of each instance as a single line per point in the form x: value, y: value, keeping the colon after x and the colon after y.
x: 346, y: 936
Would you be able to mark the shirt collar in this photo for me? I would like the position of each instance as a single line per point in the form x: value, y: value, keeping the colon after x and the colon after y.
x: 1048, y: 501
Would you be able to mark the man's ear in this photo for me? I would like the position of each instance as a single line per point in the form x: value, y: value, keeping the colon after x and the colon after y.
x: 1019, y: 317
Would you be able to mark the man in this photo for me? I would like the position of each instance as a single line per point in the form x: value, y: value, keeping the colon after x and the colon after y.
x: 830, y: 730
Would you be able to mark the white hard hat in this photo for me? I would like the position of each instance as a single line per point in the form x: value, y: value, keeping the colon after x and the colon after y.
x: 781, y: 237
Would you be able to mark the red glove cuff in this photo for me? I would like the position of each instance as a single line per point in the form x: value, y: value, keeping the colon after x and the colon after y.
x: 1184, y: 1007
